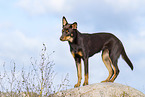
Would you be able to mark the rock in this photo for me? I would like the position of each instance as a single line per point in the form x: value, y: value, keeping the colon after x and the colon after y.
x: 100, y: 90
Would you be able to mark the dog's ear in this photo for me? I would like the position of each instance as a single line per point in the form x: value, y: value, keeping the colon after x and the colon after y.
x: 64, y: 21
x: 74, y: 25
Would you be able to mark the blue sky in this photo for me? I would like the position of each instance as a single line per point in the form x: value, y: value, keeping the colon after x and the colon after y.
x: 26, y: 24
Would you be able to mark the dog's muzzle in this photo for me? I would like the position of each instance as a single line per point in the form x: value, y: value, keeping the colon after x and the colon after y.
x: 62, y: 38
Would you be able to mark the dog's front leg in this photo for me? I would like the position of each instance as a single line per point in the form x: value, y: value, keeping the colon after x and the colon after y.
x: 86, y: 71
x: 79, y: 71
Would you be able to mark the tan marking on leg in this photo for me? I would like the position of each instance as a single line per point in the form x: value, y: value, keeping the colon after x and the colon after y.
x: 107, y: 61
x: 80, y: 53
x: 79, y: 72
x: 115, y: 73
x: 73, y: 54
x: 86, y: 80
x: 114, y: 76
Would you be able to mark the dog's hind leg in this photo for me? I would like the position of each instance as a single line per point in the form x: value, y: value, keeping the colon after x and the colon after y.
x: 114, y: 55
x: 116, y: 71
x: 107, y: 61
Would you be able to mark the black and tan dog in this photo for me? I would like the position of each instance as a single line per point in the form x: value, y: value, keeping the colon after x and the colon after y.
x: 83, y: 46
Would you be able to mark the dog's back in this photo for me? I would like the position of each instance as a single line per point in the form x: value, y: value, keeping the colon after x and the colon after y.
x: 96, y: 42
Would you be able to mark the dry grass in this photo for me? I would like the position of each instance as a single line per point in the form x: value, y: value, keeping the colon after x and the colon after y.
x: 35, y: 82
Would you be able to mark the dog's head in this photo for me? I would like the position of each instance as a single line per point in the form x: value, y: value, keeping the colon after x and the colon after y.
x: 68, y: 31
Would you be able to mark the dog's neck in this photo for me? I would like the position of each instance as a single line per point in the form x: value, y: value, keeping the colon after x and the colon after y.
x: 76, y: 44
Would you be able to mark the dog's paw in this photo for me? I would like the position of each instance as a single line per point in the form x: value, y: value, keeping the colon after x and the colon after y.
x: 85, y: 83
x: 106, y: 81
x: 77, y: 85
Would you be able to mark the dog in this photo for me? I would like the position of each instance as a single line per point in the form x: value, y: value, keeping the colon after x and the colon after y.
x: 83, y: 46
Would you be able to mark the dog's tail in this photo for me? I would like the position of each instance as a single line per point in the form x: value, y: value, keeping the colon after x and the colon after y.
x: 125, y: 57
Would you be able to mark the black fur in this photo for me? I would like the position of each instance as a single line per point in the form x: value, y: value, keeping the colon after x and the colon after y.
x: 83, y: 46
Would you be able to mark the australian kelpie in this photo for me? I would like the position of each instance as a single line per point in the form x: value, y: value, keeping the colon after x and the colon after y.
x: 83, y: 46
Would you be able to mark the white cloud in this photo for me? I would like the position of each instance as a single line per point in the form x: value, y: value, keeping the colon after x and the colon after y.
x: 135, y: 44
x: 43, y: 6
x: 33, y: 6
x: 16, y: 46
x: 142, y: 34
x: 5, y: 25
x: 17, y: 38
x: 71, y: 7
x: 124, y: 5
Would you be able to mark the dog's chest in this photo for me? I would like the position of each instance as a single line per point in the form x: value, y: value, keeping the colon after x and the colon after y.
x: 77, y: 50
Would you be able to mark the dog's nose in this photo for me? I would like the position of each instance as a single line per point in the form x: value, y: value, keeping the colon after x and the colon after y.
x: 61, y: 38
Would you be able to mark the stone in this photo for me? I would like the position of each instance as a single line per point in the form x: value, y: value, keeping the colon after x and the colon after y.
x: 100, y: 90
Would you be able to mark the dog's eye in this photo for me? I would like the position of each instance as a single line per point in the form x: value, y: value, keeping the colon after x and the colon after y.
x: 67, y: 31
